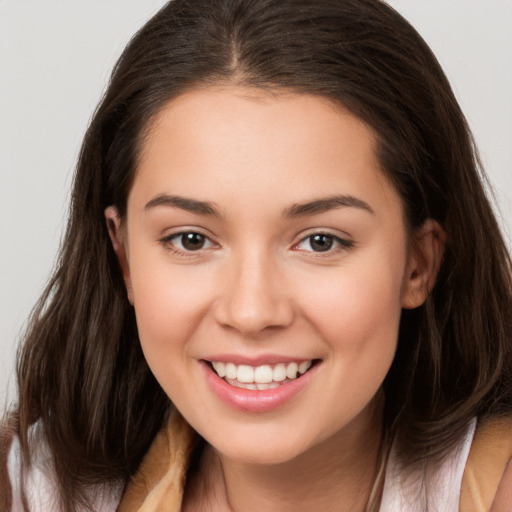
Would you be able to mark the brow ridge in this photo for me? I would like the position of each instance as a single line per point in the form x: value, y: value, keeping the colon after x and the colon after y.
x: 322, y: 205
x: 184, y: 203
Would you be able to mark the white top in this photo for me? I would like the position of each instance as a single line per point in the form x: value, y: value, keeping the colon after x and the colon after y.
x: 40, y: 484
x: 408, y: 491
x: 403, y: 491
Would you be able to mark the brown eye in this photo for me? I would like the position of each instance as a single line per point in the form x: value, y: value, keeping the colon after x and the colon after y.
x: 192, y: 241
x: 321, y: 243
x: 187, y: 241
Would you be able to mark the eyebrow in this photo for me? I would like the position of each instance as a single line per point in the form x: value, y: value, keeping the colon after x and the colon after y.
x: 309, y: 208
x: 325, y: 204
x: 184, y: 203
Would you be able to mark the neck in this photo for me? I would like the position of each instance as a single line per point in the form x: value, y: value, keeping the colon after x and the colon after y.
x: 336, y: 474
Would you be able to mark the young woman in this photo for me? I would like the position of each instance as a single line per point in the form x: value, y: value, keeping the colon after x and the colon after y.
x: 282, y: 286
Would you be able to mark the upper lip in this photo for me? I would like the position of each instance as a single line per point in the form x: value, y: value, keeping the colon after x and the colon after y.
x: 270, y: 359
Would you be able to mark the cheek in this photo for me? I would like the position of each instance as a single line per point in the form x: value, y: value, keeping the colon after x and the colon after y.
x: 357, y: 312
x: 358, y: 317
x: 169, y: 304
x: 357, y: 299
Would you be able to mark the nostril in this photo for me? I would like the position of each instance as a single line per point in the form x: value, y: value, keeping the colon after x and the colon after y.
x: 251, y: 299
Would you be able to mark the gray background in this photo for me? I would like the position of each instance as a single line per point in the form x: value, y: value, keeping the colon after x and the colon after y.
x: 55, y: 57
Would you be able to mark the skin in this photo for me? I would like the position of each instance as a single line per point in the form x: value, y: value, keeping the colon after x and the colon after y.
x: 258, y: 287
x: 503, y: 497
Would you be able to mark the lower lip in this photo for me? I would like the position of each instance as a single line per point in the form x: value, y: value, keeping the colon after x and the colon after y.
x: 250, y: 400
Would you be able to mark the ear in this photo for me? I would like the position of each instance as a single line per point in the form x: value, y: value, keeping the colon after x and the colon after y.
x: 426, y: 254
x: 118, y: 239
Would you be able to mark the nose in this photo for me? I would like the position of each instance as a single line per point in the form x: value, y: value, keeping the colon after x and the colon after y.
x: 254, y: 296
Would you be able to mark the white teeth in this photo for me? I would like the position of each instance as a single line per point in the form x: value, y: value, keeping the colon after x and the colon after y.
x: 280, y: 372
x: 291, y: 370
x: 220, y: 369
x: 270, y: 385
x: 245, y: 373
x: 260, y: 377
x: 231, y: 371
x: 252, y: 385
x: 304, y: 367
x: 263, y: 374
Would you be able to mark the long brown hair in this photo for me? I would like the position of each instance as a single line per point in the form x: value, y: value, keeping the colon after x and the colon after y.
x: 81, y: 371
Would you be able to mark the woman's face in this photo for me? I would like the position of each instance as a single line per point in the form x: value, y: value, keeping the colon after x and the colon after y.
x: 265, y: 254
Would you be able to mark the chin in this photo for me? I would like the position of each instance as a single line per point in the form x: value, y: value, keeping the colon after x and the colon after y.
x: 263, y: 448
x: 256, y: 455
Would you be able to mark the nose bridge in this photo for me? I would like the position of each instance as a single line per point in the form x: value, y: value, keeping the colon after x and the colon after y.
x: 254, y: 297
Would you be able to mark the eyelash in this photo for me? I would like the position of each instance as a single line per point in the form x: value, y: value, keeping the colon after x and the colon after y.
x: 169, y: 244
x: 336, y: 243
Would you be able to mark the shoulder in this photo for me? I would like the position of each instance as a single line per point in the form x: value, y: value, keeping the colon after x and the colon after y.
x: 488, y: 474
x: 37, y: 483
x: 431, y: 483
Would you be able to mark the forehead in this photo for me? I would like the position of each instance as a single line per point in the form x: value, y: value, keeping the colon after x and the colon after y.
x: 256, y: 142
x: 246, y: 112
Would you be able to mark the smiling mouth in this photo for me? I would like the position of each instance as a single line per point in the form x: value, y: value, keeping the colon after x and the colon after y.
x: 260, y: 377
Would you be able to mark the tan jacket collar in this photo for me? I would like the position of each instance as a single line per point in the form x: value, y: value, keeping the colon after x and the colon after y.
x: 159, y: 483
